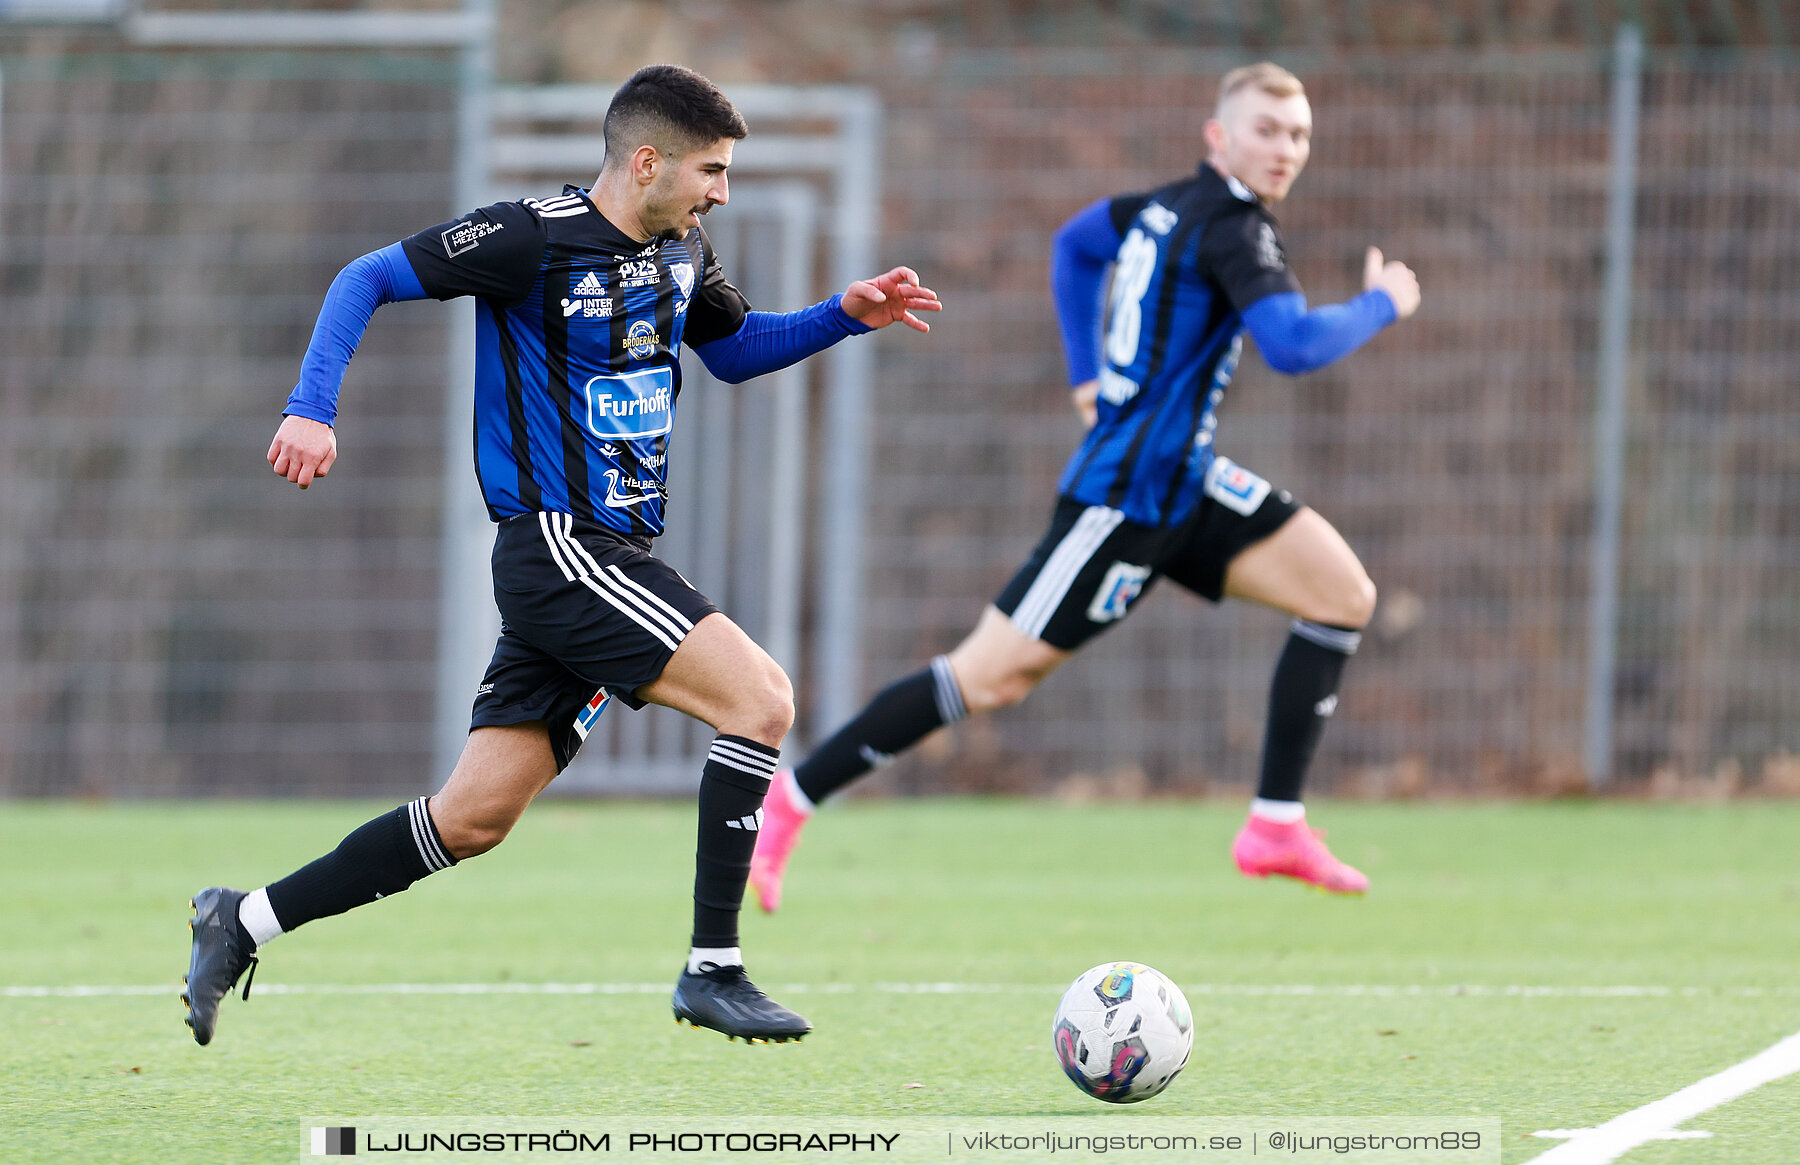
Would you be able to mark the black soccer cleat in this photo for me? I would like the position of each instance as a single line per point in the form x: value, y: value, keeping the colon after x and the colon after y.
x: 218, y: 958
x: 724, y: 999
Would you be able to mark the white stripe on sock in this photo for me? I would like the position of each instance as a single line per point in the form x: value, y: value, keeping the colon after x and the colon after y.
x: 724, y: 749
x: 426, y: 838
x: 947, y: 690
x: 1331, y: 638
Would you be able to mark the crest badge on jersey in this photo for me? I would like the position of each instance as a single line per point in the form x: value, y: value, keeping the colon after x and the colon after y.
x: 683, y: 275
x: 1123, y: 583
x: 1268, y: 249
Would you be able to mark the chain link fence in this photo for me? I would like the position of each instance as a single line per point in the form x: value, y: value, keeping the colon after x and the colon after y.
x: 173, y: 621
x: 172, y: 618
x: 1455, y: 452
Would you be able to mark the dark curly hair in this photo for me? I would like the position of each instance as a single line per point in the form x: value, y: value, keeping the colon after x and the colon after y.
x: 672, y: 108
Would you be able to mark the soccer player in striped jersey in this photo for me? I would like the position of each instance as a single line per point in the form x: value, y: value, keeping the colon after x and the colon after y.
x: 1194, y: 264
x: 584, y: 303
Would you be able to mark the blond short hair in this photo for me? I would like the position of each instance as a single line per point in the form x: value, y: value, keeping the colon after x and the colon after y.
x: 1265, y: 75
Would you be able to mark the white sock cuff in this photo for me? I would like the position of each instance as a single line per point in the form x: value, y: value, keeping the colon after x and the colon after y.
x: 717, y: 956
x: 1331, y: 638
x: 946, y: 691
x: 1280, y: 812
x: 258, y: 917
x: 785, y: 778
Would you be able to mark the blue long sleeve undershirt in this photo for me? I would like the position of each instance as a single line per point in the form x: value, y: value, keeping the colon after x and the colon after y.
x: 767, y: 340
x: 1292, y: 338
x: 771, y: 340
x: 1079, y: 256
x: 384, y: 276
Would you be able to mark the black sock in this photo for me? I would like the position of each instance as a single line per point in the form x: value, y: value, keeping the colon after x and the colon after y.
x: 1302, y: 698
x: 732, y: 786
x: 380, y: 858
x: 900, y: 715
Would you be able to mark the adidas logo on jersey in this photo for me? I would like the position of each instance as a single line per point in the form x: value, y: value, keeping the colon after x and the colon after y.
x: 751, y: 823
x: 590, y: 285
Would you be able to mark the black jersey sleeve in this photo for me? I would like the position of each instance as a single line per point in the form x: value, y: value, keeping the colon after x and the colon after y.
x: 494, y: 252
x: 1124, y: 209
x: 1241, y: 251
x: 719, y: 308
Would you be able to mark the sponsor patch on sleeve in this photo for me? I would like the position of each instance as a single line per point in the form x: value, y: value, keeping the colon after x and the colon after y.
x: 467, y: 235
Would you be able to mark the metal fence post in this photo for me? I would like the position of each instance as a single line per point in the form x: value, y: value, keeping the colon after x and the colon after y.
x: 1609, y: 412
x: 467, y: 622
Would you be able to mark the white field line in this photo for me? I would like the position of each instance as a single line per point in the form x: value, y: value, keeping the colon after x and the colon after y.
x: 1376, y: 990
x: 1620, y: 1135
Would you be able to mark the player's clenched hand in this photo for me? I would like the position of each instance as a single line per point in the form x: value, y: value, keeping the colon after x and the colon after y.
x: 302, y: 450
x: 1086, y: 399
x: 1397, y: 279
x: 890, y: 298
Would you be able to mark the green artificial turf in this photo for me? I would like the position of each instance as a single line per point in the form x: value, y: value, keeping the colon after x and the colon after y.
x: 1000, y: 902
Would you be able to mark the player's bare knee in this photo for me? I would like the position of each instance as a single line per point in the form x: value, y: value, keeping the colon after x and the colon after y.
x: 1360, y: 602
x: 768, y: 711
x: 1348, y: 604
x: 1000, y: 690
x: 468, y: 839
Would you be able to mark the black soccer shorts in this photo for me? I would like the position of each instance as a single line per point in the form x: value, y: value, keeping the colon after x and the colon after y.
x: 1092, y: 564
x: 586, y: 613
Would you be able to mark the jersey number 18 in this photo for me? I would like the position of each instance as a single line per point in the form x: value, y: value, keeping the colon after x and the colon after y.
x: 1131, y: 278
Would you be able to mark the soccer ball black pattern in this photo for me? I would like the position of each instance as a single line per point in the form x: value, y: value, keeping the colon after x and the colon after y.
x: 1122, y: 1032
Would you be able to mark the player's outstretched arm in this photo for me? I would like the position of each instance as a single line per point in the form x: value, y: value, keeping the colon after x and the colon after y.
x: 303, y: 449
x: 306, y: 445
x: 766, y: 341
x: 890, y: 298
x: 1295, y: 339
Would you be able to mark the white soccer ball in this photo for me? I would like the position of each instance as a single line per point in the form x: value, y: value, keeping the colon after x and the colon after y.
x: 1122, y: 1032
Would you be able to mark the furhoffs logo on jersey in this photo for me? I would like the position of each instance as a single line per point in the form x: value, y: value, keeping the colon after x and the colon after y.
x: 627, y: 406
x: 641, y: 339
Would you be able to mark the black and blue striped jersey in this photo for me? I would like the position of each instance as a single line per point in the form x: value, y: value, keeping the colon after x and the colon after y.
x: 1190, y: 257
x: 578, y: 337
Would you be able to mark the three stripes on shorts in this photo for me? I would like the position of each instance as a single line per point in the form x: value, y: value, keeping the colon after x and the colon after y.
x: 636, y: 602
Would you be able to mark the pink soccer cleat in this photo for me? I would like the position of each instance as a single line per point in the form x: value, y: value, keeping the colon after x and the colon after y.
x: 783, y: 815
x: 1294, y: 851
